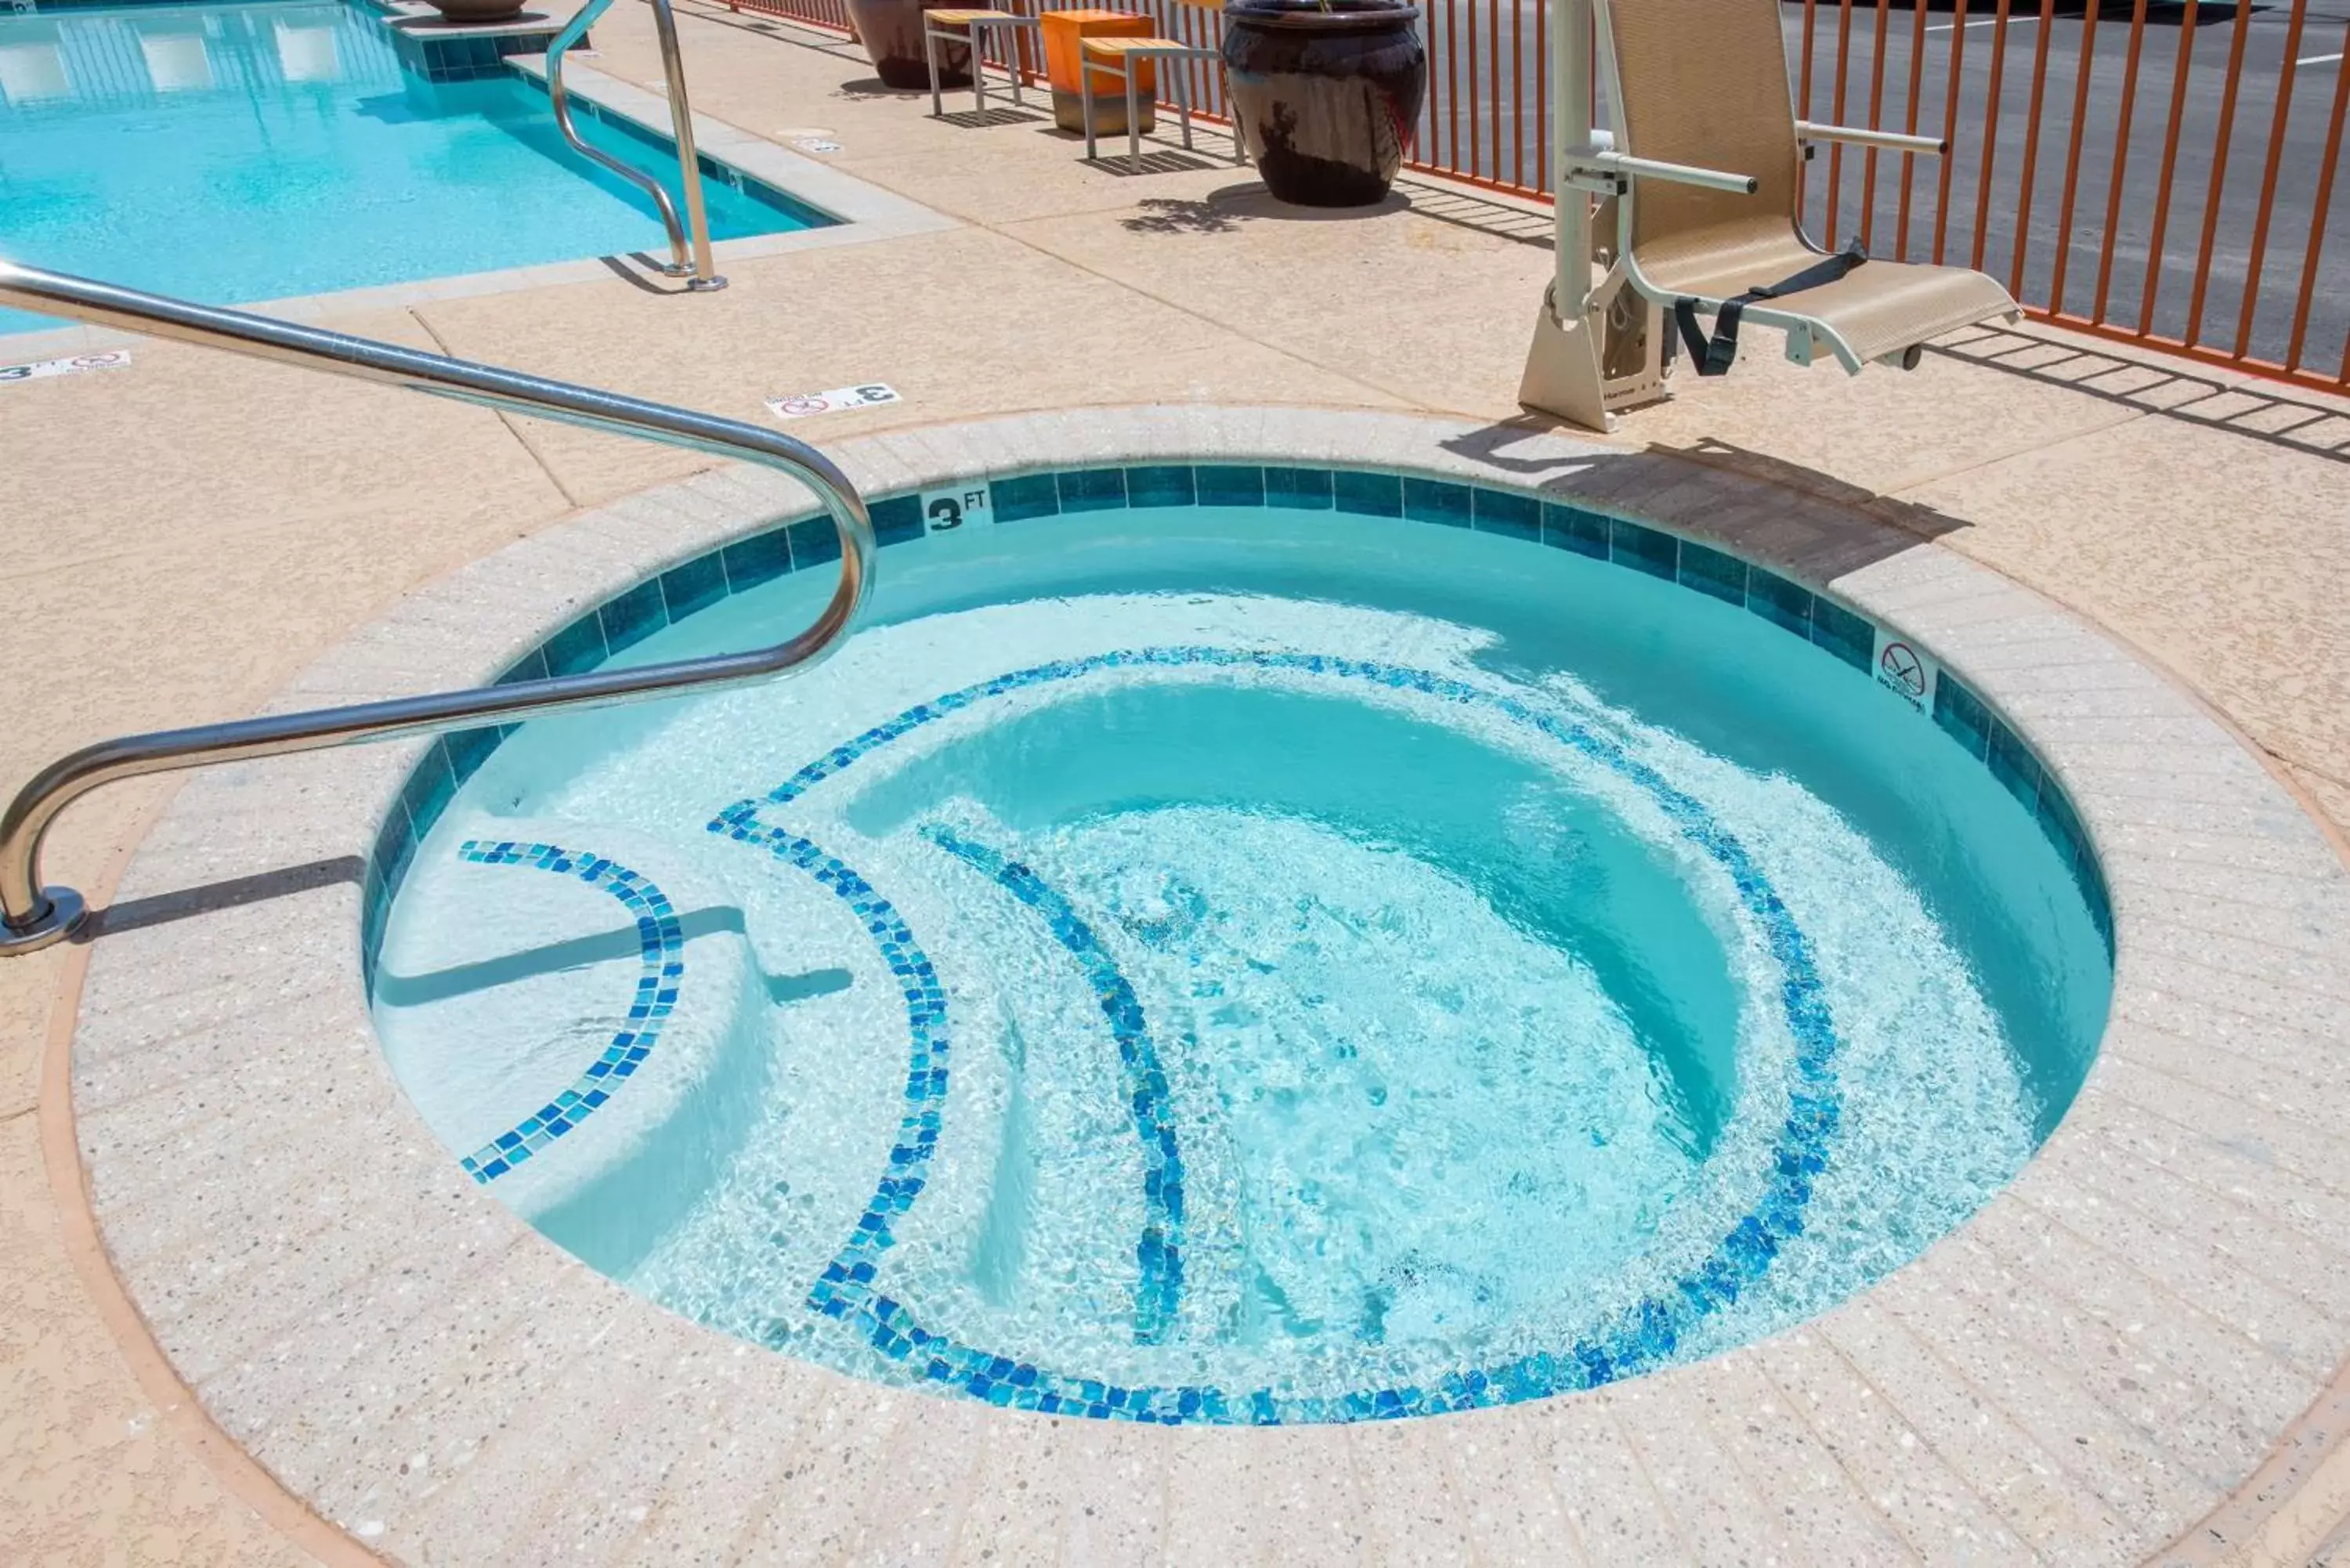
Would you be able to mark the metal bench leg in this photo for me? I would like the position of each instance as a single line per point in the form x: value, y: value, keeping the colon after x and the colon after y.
x: 1133, y: 122
x: 1183, y: 100
x: 1012, y: 58
x: 977, y: 33
x: 1086, y: 97
x: 931, y: 58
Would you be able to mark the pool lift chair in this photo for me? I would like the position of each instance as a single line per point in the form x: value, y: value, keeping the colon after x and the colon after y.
x: 1687, y: 207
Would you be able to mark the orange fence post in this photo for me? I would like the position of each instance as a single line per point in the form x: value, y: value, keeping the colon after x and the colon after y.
x: 2252, y: 266
x: 2072, y: 158
x: 1910, y: 124
x: 2218, y: 173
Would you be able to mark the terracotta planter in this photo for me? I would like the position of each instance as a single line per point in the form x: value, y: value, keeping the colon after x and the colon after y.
x: 1327, y: 99
x: 892, y: 32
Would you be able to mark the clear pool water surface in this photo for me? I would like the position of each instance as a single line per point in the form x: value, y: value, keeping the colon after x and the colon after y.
x: 1245, y: 964
x: 236, y: 153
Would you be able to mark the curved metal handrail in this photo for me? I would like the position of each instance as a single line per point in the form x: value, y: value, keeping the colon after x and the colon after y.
x: 701, y: 268
x: 32, y: 915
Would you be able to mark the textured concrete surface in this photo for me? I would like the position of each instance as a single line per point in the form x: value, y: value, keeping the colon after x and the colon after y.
x: 189, y: 533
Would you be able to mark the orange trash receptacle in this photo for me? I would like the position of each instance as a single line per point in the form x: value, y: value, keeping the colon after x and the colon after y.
x: 1062, y: 31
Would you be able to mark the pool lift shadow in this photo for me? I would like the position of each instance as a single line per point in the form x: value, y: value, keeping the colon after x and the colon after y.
x: 1823, y: 527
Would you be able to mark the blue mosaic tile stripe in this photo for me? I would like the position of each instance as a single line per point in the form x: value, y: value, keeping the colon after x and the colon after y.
x: 661, y: 950
x: 1158, y: 1292
x: 926, y: 1067
x: 1641, y: 1339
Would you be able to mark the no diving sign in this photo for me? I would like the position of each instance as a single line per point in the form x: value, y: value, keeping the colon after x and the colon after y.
x: 41, y: 369
x: 800, y: 405
x: 1903, y: 671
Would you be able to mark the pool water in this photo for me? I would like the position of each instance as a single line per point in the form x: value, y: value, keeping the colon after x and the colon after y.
x: 241, y: 153
x: 1245, y: 964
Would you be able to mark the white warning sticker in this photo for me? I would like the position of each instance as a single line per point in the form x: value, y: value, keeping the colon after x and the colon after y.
x: 800, y: 405
x: 113, y: 359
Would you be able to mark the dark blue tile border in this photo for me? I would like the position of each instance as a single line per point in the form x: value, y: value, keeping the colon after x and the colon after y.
x: 1438, y: 501
x: 1566, y: 526
x: 1712, y: 571
x: 1031, y: 495
x: 1229, y: 485
x: 1784, y: 604
x: 1510, y: 513
x: 1372, y: 495
x: 1643, y: 548
x: 1304, y: 489
x: 1162, y: 484
x: 1556, y: 522
x: 1093, y: 490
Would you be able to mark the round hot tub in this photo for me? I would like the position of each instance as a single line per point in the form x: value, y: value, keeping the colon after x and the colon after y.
x: 1252, y: 945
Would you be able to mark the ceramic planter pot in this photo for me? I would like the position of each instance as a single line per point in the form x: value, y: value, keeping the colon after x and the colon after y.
x: 1327, y: 97
x: 892, y: 32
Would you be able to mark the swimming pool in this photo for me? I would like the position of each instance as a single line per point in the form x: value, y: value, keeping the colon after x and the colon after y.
x: 241, y: 153
x: 1245, y: 944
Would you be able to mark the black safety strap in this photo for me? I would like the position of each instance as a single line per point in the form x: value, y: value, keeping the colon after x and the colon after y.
x: 1712, y: 357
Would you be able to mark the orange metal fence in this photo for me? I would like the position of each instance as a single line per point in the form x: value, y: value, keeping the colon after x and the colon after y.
x: 2148, y: 171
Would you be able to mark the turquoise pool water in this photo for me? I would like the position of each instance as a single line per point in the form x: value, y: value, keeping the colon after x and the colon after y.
x: 1245, y: 964
x: 238, y: 153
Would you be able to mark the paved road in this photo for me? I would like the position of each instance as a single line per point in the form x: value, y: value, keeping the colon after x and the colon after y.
x: 1495, y: 139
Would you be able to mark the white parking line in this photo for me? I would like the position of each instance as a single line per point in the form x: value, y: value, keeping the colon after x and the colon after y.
x: 2319, y: 59
x: 1986, y: 22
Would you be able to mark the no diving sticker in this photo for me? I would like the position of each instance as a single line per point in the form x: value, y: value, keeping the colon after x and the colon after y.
x: 113, y: 359
x: 800, y: 405
x: 1903, y: 671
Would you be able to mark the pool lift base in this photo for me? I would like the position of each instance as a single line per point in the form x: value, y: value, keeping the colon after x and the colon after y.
x: 1588, y: 365
x: 1600, y: 347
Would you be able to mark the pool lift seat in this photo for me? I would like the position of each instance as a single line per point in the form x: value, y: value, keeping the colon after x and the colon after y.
x: 1696, y: 181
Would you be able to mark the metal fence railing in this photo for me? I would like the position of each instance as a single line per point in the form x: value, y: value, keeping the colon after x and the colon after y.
x: 2145, y: 170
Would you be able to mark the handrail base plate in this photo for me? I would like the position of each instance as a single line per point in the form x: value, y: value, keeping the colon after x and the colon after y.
x: 64, y: 914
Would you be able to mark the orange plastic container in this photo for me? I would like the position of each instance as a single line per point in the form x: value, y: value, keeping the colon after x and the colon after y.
x: 1062, y: 31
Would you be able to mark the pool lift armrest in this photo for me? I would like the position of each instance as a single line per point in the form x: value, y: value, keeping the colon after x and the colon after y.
x: 1599, y: 168
x: 1808, y: 131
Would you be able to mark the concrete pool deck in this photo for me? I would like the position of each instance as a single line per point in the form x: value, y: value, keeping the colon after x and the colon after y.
x: 2198, y: 516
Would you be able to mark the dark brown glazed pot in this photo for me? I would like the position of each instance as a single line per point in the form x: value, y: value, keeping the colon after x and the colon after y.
x: 892, y: 32
x: 1329, y: 98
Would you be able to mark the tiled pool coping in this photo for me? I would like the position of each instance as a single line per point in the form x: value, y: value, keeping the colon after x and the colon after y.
x: 2082, y: 1371
x: 864, y: 213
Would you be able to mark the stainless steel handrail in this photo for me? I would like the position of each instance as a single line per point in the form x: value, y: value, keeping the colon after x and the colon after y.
x: 33, y: 917
x: 703, y: 270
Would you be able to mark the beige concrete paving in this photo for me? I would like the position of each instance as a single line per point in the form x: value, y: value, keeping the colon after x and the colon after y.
x: 179, y: 538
